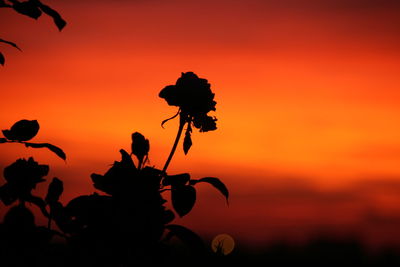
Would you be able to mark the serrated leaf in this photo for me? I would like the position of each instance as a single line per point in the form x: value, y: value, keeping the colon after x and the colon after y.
x: 176, y: 180
x: 22, y: 130
x: 2, y: 59
x: 58, y: 151
x: 187, y: 236
x: 220, y: 186
x: 54, y: 191
x: 58, y: 20
x: 10, y: 43
x: 183, y: 199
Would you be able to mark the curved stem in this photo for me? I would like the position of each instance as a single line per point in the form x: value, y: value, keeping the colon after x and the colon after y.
x: 178, y: 136
x: 173, y: 117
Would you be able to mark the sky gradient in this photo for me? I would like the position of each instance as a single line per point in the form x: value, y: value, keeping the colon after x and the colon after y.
x: 307, y: 93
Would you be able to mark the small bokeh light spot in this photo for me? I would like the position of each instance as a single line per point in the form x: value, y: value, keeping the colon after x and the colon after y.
x: 223, y: 244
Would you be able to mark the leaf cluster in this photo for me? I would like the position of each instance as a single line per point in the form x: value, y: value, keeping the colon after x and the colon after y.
x: 23, y: 131
x: 33, y: 9
x: 127, y: 214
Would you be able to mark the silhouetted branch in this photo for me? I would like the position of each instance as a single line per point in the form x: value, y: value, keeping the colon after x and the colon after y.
x: 10, y: 43
x: 32, y: 9
x: 25, y: 130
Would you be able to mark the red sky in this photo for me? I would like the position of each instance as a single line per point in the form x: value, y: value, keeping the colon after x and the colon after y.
x: 307, y: 93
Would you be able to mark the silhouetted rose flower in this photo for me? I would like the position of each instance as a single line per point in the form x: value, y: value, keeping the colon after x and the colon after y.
x: 140, y: 147
x: 22, y: 176
x: 191, y: 93
x: 195, y: 99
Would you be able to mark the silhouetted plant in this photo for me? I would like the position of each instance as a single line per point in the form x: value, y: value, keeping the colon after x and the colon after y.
x: 33, y: 9
x: 195, y: 99
x: 23, y: 175
x: 131, y: 217
x: 21, y: 240
x: 25, y: 130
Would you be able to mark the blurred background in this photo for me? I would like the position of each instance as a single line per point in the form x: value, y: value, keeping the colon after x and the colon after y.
x: 307, y: 92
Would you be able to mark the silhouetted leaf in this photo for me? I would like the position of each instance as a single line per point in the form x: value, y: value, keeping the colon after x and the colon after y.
x: 176, y: 180
x: 10, y: 43
x: 183, y: 199
x: 58, y: 20
x: 100, y: 182
x: 169, y: 216
x: 190, y: 238
x: 3, y: 140
x: 214, y: 182
x: 126, y: 158
x: 118, y: 175
x: 2, y: 59
x: 187, y: 142
x: 54, y: 191
x: 28, y: 8
x: 22, y: 130
x: 58, y: 151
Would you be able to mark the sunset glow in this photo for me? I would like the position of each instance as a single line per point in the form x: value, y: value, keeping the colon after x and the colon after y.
x: 307, y: 93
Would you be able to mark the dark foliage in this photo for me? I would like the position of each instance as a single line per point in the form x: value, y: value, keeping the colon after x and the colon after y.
x: 214, y: 182
x: 22, y: 177
x: 33, y: 9
x: 195, y: 100
x: 128, y: 222
x: 25, y: 130
x: 22, y: 130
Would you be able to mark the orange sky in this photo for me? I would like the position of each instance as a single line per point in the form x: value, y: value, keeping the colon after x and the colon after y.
x: 307, y: 95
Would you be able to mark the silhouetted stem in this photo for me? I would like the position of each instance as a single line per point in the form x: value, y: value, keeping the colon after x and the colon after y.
x: 140, y: 164
x: 178, y: 136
